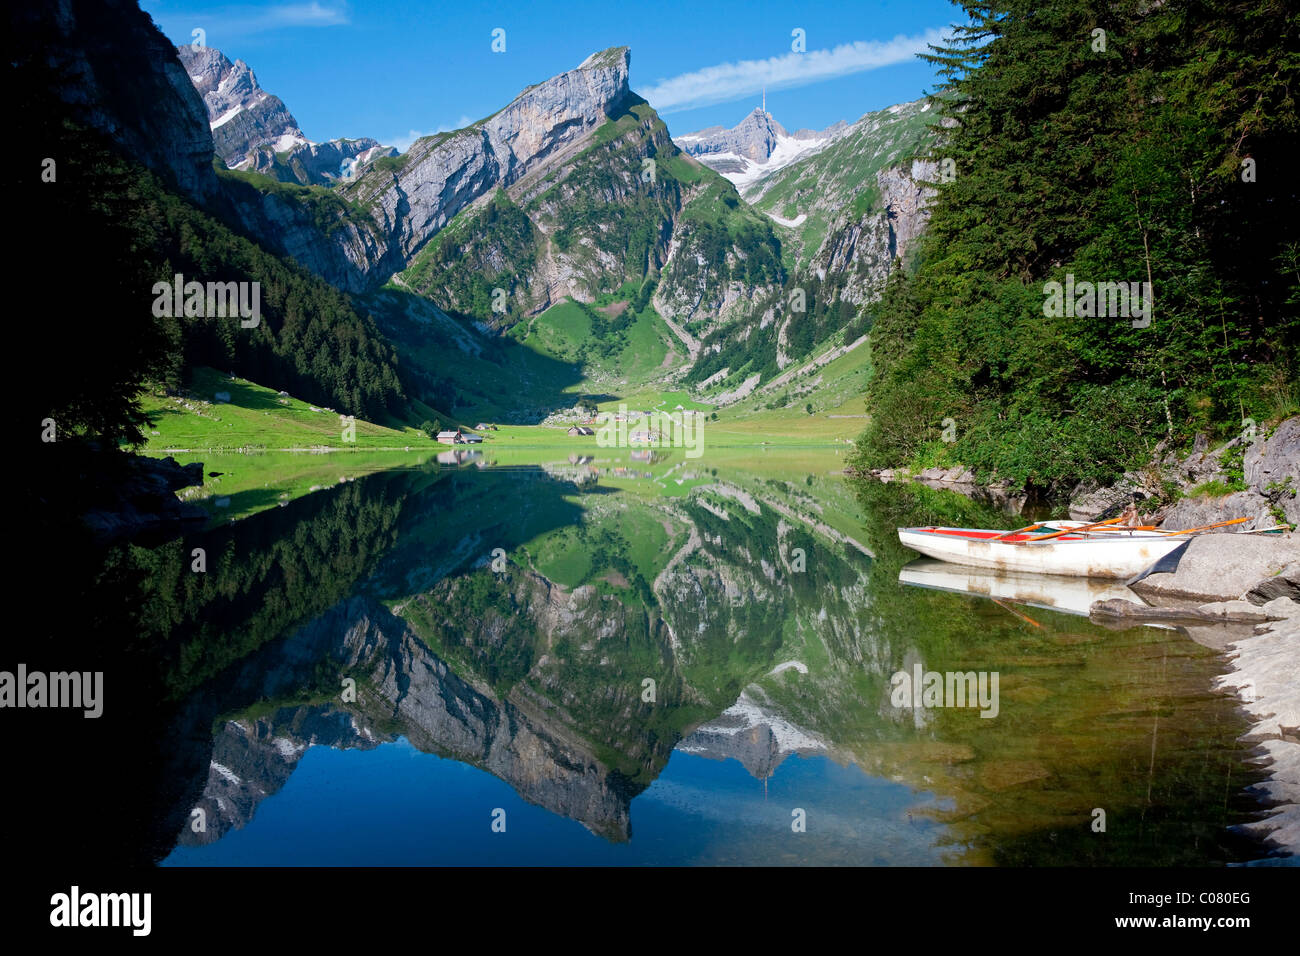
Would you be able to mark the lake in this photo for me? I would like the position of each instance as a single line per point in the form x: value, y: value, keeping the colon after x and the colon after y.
x: 619, y: 658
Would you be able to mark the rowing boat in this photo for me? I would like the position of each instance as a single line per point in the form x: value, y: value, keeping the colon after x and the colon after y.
x: 1071, y: 548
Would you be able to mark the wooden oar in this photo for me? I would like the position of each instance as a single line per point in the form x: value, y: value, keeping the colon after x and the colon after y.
x: 1136, y: 527
x: 1032, y: 527
x: 1023, y: 617
x: 1221, y: 524
x: 1057, y: 534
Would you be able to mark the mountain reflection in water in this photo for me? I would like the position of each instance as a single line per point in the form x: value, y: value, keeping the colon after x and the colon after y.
x: 672, y: 667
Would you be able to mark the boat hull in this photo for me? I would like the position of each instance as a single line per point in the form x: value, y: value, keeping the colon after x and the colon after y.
x: 1116, y: 556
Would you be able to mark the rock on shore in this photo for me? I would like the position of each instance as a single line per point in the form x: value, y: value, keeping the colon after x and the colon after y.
x: 1270, y: 470
x: 1225, y: 567
x: 1266, y: 675
x: 145, y: 501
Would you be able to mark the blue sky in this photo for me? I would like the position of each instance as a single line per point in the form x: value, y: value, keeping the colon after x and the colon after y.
x: 395, y: 69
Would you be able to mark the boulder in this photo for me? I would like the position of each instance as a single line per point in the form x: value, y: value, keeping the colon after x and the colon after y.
x: 1200, y: 511
x: 1222, y: 567
x: 1275, y: 458
x: 1285, y: 584
x: 1284, y: 609
x: 1087, y: 501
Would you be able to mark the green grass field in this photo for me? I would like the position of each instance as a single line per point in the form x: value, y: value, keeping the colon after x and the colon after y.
x: 261, y: 450
x: 571, y: 334
x: 255, y: 417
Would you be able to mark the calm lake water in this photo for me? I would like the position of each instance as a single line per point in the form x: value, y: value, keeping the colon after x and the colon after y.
x: 619, y: 661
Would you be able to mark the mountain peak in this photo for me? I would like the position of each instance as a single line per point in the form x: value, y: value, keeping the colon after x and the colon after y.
x: 609, y: 71
x: 615, y: 57
x: 754, y: 147
x: 241, y: 114
x: 761, y: 119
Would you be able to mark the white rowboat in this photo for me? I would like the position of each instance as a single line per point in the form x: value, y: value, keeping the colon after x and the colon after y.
x: 1096, y: 553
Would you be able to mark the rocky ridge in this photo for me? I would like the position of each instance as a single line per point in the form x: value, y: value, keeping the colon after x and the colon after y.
x: 253, y: 129
x: 441, y: 175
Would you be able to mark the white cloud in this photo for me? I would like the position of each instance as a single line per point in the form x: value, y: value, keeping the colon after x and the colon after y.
x: 304, y: 15
x: 403, y: 142
x: 222, y: 23
x: 725, y: 82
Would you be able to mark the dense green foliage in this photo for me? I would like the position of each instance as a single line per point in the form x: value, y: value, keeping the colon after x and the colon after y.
x: 330, y: 212
x: 1114, y: 164
x: 480, y: 250
x: 612, y: 172
x: 309, y: 340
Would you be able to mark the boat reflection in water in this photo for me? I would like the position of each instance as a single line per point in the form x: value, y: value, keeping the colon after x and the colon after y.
x: 1071, y: 595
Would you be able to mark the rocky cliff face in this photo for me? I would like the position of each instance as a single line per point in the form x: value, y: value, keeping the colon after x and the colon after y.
x: 1263, y: 467
x: 254, y: 130
x: 242, y: 114
x: 754, y: 138
x: 405, y: 203
x: 620, y: 204
x: 866, y: 172
x: 122, y: 77
x: 317, y: 164
x: 863, y: 246
x: 441, y: 175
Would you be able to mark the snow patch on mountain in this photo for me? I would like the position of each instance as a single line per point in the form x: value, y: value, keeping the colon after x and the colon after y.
x: 755, y: 148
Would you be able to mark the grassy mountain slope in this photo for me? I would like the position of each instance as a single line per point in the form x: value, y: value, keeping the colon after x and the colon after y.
x: 841, y: 179
x: 845, y: 216
x: 617, y: 223
x: 217, y: 412
x: 613, y: 210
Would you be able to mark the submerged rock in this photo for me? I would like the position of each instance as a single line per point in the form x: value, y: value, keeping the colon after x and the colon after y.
x: 1266, y: 676
x: 1225, y: 612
